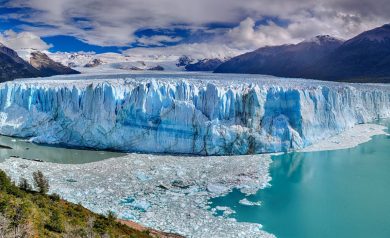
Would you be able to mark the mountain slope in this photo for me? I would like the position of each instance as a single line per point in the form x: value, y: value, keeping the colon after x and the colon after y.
x: 26, y: 213
x: 204, y: 65
x: 364, y: 58
x: 12, y: 66
x: 284, y: 61
x: 47, y: 66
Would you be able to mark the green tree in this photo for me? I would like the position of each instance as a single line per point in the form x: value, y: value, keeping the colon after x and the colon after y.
x: 5, y: 182
x: 24, y: 185
x: 41, y: 183
x: 111, y: 217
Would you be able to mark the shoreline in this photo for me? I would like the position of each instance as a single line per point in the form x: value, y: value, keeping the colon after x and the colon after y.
x: 350, y: 138
x: 152, y: 232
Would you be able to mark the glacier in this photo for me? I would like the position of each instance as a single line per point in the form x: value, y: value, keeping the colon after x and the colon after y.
x: 203, y: 114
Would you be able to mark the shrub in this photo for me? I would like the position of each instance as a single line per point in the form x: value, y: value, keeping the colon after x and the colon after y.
x: 56, y: 222
x: 100, y: 225
x: 17, y: 213
x: 55, y: 197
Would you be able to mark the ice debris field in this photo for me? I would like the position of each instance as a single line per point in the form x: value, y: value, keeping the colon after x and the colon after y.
x: 204, y: 114
x: 171, y: 193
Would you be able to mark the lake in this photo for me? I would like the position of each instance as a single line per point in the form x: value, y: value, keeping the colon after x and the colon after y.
x: 339, y: 193
x: 55, y: 154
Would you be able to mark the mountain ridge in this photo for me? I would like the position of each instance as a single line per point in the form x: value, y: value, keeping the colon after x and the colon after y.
x: 363, y: 58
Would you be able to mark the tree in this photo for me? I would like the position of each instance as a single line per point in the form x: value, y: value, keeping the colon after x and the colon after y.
x: 41, y: 183
x: 111, y: 217
x: 24, y: 185
x: 5, y: 181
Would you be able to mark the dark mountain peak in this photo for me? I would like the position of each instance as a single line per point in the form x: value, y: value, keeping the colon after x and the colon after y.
x: 184, y: 61
x: 47, y: 66
x: 11, y: 53
x: 204, y: 65
x: 12, y: 66
x: 324, y: 39
x: 93, y: 63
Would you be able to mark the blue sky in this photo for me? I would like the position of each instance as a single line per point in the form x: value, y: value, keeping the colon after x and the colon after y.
x: 123, y: 25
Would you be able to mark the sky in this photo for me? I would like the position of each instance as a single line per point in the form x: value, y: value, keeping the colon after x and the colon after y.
x: 203, y: 28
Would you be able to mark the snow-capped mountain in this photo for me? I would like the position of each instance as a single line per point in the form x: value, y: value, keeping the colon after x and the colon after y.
x: 48, y: 67
x: 94, y: 63
x: 12, y: 66
x: 364, y: 58
x: 44, y: 63
x: 89, y: 62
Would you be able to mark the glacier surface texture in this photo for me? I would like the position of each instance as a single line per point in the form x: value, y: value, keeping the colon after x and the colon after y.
x: 186, y: 113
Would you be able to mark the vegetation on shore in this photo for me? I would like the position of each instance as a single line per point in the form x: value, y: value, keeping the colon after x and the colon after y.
x: 25, y: 212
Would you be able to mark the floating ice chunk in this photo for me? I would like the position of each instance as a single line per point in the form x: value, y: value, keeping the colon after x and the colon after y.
x: 246, y: 202
x: 217, y: 188
x: 140, y: 205
x: 142, y: 176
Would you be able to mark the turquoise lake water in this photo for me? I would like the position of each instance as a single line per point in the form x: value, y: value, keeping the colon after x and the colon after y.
x: 23, y: 149
x: 339, y: 193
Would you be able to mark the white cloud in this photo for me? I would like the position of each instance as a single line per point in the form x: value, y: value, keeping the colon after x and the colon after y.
x: 194, y: 50
x: 248, y: 36
x: 114, y: 22
x: 157, y: 40
x: 22, y: 40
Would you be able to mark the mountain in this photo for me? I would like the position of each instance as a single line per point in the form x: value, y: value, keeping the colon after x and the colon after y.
x: 184, y: 61
x: 47, y: 66
x: 12, y: 66
x: 204, y: 65
x: 364, y: 58
x: 93, y: 63
x: 294, y: 60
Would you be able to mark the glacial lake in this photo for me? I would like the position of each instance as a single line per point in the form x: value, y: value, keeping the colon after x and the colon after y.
x: 47, y: 153
x: 339, y: 193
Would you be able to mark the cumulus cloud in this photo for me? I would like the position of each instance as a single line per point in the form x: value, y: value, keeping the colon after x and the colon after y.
x: 248, y: 36
x: 22, y: 40
x: 115, y: 22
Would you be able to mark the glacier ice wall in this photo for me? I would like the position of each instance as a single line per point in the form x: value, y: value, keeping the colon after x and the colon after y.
x: 206, y: 117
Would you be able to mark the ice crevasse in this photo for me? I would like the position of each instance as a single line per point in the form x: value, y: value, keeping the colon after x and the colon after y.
x: 208, y: 117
